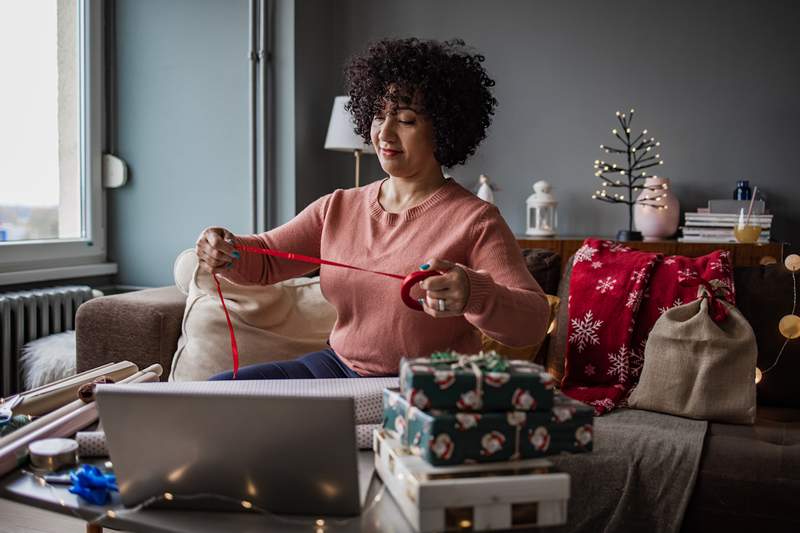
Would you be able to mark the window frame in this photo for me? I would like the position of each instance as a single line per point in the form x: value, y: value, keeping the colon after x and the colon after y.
x: 41, y: 260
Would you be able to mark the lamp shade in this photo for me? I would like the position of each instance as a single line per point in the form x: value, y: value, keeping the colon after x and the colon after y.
x: 341, y: 136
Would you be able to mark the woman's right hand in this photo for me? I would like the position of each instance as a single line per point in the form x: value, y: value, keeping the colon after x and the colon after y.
x: 215, y: 250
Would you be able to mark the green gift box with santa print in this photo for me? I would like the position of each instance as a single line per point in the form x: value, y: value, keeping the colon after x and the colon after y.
x: 483, y: 382
x: 449, y: 438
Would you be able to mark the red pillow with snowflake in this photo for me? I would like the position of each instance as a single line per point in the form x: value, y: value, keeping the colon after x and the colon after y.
x: 665, y: 290
x: 616, y: 296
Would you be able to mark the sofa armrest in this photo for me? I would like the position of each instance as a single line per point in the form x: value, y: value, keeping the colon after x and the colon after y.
x: 142, y: 327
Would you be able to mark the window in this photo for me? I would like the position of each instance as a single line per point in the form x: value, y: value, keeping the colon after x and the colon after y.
x: 51, y: 104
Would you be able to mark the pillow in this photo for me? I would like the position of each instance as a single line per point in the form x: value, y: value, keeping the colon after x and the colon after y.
x: 272, y: 323
x: 764, y: 296
x: 545, y: 267
x: 557, y: 344
x: 522, y: 352
x: 183, y: 268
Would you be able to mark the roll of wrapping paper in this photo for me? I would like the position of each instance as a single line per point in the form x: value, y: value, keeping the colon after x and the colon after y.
x: 70, y: 406
x: 64, y: 382
x: 45, y: 399
x: 92, y: 443
x: 15, y: 453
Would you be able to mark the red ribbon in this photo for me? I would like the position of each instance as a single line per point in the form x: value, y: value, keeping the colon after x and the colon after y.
x: 405, y: 291
x: 307, y: 259
x: 717, y: 309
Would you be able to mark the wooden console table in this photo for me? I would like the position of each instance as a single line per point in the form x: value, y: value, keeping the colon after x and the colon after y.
x: 741, y: 254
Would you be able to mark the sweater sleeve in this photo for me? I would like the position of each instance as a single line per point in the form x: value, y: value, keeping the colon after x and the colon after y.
x: 505, y: 302
x: 301, y: 235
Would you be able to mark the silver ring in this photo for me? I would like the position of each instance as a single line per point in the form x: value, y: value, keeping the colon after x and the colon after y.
x: 442, y: 305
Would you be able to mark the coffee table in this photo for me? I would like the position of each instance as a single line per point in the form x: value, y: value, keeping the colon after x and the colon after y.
x: 382, y: 513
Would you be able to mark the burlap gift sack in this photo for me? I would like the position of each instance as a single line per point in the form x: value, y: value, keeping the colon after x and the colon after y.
x: 698, y: 368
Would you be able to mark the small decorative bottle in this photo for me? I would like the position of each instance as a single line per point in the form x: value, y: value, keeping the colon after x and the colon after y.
x: 742, y: 191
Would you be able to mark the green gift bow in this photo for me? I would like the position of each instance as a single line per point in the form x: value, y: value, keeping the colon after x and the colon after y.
x: 491, y: 361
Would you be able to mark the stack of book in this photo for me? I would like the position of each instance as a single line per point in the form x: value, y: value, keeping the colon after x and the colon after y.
x: 716, y: 222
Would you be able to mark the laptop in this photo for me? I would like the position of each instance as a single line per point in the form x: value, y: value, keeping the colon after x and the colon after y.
x: 285, y: 454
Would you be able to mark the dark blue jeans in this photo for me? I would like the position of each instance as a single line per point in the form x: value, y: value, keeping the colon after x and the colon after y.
x: 316, y: 365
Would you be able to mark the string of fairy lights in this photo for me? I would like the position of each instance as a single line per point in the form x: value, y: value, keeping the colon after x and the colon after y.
x: 789, y: 325
x: 640, y: 156
x: 319, y: 525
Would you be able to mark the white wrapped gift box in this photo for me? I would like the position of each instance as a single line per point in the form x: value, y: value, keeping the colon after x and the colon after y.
x: 480, y: 497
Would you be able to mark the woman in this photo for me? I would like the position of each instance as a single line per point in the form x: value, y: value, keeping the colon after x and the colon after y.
x: 423, y: 105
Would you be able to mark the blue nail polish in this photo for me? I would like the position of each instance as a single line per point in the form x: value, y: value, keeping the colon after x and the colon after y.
x: 426, y: 266
x: 236, y: 254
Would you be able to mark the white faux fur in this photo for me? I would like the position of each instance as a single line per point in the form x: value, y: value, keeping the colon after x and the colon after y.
x: 47, y: 359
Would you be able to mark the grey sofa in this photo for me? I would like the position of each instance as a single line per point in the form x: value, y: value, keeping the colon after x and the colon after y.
x: 749, y: 476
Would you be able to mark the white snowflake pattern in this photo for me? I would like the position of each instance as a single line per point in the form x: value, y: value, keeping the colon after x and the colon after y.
x: 720, y: 266
x: 597, y: 264
x: 585, y: 331
x: 686, y: 273
x: 639, y: 276
x: 670, y: 260
x: 604, y: 403
x: 616, y: 247
x: 619, y: 363
x: 723, y: 283
x: 584, y: 253
x: 606, y: 285
x: 636, y: 361
x: 634, y: 299
x: 676, y: 303
x: 589, y: 370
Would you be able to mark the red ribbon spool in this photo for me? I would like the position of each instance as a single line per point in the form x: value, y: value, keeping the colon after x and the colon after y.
x: 409, y: 282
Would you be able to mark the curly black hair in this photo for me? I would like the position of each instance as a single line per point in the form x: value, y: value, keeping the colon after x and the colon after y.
x: 449, y: 80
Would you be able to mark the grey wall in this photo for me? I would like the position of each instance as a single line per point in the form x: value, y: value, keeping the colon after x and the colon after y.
x: 183, y: 82
x: 716, y: 81
x: 318, y: 79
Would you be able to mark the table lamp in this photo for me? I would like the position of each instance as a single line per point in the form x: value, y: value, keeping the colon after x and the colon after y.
x: 341, y: 136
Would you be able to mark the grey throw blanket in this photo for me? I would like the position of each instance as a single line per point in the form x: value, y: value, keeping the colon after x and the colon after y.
x: 640, y: 475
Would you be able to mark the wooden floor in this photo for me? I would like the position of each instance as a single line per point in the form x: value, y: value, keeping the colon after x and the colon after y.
x: 18, y: 518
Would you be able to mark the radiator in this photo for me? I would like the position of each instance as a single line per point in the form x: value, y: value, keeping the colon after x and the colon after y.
x: 29, y: 315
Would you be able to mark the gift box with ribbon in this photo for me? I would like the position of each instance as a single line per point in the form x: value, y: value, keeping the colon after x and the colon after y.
x: 450, y: 438
x: 482, y: 382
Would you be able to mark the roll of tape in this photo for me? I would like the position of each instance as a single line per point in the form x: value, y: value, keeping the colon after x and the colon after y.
x: 53, y: 454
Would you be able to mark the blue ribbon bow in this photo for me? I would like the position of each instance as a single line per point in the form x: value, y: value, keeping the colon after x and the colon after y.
x: 91, y: 484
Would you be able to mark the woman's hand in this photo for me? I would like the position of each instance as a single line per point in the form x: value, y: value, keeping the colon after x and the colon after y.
x: 446, y: 295
x: 215, y: 250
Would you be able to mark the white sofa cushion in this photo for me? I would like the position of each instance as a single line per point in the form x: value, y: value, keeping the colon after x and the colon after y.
x: 272, y: 323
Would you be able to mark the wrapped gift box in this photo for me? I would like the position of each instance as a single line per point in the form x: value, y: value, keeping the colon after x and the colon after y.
x: 484, y: 382
x: 522, y: 494
x: 448, y: 438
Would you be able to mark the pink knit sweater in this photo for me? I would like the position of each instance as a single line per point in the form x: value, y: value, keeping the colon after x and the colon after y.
x: 374, y: 329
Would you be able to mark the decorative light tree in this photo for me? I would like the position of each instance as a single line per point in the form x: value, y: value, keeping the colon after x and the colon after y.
x: 631, y: 175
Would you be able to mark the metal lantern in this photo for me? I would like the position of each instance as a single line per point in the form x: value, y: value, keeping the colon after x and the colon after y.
x: 542, y: 218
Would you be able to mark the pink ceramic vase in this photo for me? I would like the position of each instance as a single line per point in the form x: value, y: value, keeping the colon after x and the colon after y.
x: 657, y: 222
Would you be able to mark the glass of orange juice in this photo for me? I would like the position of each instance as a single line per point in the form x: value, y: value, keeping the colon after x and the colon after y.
x: 744, y: 231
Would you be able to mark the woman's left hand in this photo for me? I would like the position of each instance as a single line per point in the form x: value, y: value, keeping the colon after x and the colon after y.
x: 445, y: 295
